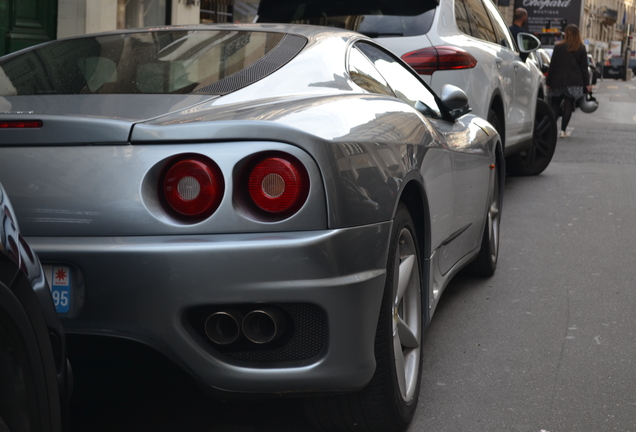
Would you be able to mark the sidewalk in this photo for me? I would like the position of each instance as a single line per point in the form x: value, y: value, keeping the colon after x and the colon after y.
x: 617, y: 107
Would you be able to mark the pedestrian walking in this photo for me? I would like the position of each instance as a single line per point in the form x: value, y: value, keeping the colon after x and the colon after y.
x: 519, y: 21
x: 568, y: 76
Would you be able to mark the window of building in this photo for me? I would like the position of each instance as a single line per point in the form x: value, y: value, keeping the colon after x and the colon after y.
x: 141, y: 13
x: 217, y: 11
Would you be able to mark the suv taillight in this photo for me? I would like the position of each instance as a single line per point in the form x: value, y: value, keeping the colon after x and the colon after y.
x: 278, y: 184
x: 431, y: 59
x: 192, y: 186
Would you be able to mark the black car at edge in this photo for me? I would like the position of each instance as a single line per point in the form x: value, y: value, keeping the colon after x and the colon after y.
x: 35, y: 377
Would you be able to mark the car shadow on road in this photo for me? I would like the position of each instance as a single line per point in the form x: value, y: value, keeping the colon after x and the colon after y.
x: 124, y: 386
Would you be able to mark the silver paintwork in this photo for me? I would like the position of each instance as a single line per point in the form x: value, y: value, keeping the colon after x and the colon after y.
x: 95, y: 208
x: 501, y: 73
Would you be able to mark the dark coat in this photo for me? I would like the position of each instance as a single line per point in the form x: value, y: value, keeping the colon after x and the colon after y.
x: 568, y: 69
x: 515, y: 30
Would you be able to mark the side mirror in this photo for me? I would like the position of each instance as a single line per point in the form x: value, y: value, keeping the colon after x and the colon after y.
x: 455, y: 100
x: 527, y: 43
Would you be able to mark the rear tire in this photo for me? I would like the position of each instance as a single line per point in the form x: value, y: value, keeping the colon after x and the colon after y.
x: 388, y: 402
x: 535, y: 159
x: 24, y: 402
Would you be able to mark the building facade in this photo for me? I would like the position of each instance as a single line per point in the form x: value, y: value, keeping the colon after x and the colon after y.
x: 606, y: 25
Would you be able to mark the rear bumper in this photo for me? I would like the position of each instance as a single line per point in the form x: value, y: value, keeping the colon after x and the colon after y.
x: 145, y: 288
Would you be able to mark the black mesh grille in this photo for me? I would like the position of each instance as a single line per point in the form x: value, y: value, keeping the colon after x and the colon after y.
x: 304, y: 337
x: 286, y: 50
x: 307, y: 341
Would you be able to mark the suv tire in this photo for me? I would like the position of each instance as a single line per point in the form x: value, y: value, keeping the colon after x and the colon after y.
x: 536, y: 159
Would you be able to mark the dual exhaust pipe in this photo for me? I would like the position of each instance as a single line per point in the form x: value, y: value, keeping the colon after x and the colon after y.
x: 259, y: 326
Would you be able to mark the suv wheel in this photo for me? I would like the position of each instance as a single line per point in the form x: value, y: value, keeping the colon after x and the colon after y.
x: 535, y: 160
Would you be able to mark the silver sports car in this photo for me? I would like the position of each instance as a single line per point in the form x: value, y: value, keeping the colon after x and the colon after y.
x: 275, y: 208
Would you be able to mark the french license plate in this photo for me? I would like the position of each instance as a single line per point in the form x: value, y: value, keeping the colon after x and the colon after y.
x: 59, y: 278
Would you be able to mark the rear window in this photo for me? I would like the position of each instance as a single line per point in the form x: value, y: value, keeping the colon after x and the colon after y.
x: 158, y: 62
x: 374, y: 19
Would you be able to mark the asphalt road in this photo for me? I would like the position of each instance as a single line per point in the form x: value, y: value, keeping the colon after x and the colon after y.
x: 548, y: 343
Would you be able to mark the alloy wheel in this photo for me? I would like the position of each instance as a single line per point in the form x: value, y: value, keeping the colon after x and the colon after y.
x: 407, y: 315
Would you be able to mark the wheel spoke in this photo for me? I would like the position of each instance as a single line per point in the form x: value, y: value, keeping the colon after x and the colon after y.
x: 493, y: 222
x: 542, y: 147
x: 406, y: 267
x: 530, y: 155
x: 407, y: 338
x: 400, y: 370
x: 542, y: 127
x: 494, y: 210
x: 494, y: 234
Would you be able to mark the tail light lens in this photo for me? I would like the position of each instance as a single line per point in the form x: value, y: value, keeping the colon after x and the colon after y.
x: 278, y: 184
x: 193, y: 186
x: 431, y: 59
x: 20, y: 124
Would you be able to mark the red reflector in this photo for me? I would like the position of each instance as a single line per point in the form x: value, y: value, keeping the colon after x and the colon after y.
x: 428, y: 60
x: 20, y: 124
x: 193, y: 186
x: 278, y: 185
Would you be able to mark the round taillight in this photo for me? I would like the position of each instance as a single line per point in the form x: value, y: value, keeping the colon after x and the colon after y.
x: 278, y: 185
x: 193, y: 186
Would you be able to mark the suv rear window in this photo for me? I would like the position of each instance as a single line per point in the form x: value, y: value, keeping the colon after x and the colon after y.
x: 374, y: 19
x: 138, y: 62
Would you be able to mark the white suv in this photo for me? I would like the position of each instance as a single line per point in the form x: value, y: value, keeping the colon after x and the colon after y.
x: 461, y: 42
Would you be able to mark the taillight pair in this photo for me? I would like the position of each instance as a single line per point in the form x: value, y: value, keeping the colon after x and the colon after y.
x: 431, y: 59
x: 273, y: 184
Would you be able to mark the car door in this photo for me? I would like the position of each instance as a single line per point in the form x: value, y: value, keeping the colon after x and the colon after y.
x: 496, y: 62
x: 521, y: 111
x: 436, y: 169
x: 451, y: 174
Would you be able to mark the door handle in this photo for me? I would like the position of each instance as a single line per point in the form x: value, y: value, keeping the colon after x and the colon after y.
x: 498, y: 61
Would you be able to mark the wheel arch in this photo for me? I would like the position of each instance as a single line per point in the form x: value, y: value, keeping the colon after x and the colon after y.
x: 540, y: 94
x: 497, y: 104
x: 414, y: 198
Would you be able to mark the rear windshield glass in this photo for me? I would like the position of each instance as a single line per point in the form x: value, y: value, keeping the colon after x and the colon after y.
x: 158, y: 62
x: 372, y: 18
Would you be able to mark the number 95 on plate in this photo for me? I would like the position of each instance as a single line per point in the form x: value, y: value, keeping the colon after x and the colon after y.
x: 59, y: 278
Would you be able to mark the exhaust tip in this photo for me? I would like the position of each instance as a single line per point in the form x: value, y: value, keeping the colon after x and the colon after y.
x: 223, y: 327
x: 264, y: 325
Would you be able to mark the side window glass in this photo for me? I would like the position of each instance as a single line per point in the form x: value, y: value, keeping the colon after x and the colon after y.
x: 404, y: 83
x: 365, y: 75
x: 480, y: 22
x: 461, y: 17
x: 502, y: 31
